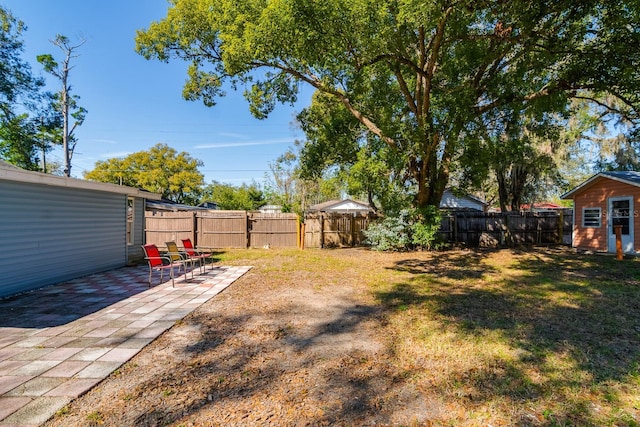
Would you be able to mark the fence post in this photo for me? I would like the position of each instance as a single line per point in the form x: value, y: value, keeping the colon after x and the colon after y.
x: 247, y: 232
x: 454, y: 226
x: 618, y: 232
x: 194, y: 228
x: 559, y: 240
x: 507, y: 234
x: 353, y: 229
x: 321, y: 230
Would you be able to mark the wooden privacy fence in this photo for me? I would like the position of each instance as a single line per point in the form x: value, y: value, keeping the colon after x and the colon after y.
x: 223, y: 229
x: 241, y: 229
x: 326, y: 230
x: 507, y: 229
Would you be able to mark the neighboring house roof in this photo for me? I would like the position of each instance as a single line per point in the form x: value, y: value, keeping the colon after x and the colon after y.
x: 541, y: 205
x: 270, y: 208
x: 450, y: 200
x: 10, y: 172
x: 171, y: 206
x: 346, y: 205
x: 208, y: 205
x: 628, y: 177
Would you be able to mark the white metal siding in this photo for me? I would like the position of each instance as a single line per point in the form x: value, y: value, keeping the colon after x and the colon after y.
x: 49, y: 234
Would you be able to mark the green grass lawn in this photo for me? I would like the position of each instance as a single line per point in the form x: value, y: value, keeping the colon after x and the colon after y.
x: 540, y: 337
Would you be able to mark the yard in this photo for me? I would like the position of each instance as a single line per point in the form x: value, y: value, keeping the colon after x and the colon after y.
x: 352, y: 337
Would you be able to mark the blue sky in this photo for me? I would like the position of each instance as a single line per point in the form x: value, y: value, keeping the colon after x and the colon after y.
x: 134, y: 104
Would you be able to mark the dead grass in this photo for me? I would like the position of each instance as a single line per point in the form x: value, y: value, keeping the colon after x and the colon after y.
x: 526, y: 338
x: 353, y: 337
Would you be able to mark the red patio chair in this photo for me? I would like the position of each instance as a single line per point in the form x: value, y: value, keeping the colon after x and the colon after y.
x: 195, y: 254
x: 158, y: 262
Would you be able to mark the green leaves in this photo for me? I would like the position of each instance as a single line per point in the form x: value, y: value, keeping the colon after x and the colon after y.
x: 18, y: 142
x: 229, y: 197
x: 26, y: 118
x: 16, y: 81
x: 48, y: 63
x: 202, y: 85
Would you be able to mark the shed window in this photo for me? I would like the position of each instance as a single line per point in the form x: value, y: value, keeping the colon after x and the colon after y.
x: 591, y: 217
x: 130, y: 218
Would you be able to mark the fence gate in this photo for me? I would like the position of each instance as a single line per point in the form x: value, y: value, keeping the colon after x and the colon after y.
x: 312, y: 231
x: 274, y: 230
x: 331, y: 230
x: 223, y: 229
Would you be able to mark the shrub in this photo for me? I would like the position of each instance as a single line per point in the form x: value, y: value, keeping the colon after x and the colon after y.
x: 410, y: 229
x: 390, y: 234
x: 424, y: 229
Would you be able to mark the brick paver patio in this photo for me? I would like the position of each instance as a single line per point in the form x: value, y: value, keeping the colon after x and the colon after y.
x: 56, y: 343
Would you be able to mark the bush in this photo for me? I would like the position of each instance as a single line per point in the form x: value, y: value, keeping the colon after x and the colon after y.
x: 410, y: 229
x: 424, y: 230
x: 390, y: 234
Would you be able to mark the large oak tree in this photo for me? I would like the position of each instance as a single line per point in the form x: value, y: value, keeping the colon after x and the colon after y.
x: 419, y: 75
x: 161, y: 169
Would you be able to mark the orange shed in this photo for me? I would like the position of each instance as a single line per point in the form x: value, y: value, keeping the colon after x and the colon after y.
x: 602, y: 202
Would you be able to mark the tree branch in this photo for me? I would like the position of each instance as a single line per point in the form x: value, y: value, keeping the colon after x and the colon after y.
x: 404, y: 88
x: 609, y: 108
x: 317, y: 83
x: 368, y: 123
x: 432, y: 62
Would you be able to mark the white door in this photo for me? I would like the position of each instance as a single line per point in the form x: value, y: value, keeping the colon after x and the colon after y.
x: 621, y: 213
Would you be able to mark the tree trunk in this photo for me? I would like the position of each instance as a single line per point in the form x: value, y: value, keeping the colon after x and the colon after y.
x: 518, y: 180
x: 65, y: 127
x: 431, y: 185
x: 370, y: 199
x: 432, y: 173
x: 503, y: 192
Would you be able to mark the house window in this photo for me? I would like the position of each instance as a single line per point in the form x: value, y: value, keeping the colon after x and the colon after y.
x: 591, y: 217
x: 130, y: 215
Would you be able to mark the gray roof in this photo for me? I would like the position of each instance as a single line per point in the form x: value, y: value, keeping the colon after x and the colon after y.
x: 9, y: 166
x: 10, y: 172
x: 168, y: 205
x: 628, y: 177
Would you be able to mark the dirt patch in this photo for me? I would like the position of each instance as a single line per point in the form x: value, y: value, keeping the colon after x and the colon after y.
x: 284, y: 345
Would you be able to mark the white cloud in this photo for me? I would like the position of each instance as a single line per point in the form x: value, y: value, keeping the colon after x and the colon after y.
x: 234, y: 135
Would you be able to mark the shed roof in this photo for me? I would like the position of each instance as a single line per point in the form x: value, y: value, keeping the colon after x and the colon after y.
x: 345, y: 204
x: 628, y: 177
x: 10, y: 172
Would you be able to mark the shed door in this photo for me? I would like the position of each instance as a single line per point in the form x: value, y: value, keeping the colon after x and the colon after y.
x: 620, y: 213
